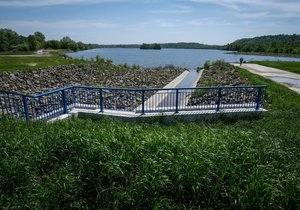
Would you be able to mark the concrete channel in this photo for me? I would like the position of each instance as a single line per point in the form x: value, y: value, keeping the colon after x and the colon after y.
x: 167, y: 98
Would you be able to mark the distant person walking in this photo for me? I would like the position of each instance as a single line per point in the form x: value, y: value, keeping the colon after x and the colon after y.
x: 241, y: 60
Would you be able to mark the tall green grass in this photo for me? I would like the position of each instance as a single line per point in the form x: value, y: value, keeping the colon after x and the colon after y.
x: 107, y: 164
x: 112, y: 165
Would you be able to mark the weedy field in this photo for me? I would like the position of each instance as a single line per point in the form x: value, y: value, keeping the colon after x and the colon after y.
x: 31, y: 62
x: 106, y: 164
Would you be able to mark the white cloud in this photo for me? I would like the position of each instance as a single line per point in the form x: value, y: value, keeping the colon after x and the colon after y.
x: 169, y: 11
x: 254, y: 15
x: 208, y: 22
x: 176, y: 9
x: 225, y: 3
x: 156, y: 25
x: 197, y: 22
x: 279, y: 5
x: 163, y: 23
x: 68, y: 24
x: 39, y: 3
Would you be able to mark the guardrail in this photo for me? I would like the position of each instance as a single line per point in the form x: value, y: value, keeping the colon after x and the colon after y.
x: 54, y: 103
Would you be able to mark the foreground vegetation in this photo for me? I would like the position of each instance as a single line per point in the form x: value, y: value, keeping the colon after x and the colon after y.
x: 107, y: 164
x: 284, y: 65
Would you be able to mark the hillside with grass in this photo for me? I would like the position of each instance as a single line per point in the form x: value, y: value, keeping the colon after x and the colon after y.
x: 10, y: 63
x: 107, y: 164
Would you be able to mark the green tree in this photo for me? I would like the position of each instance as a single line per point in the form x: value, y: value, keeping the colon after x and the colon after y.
x: 82, y: 46
x: 156, y: 46
x: 67, y: 43
x: 33, y: 43
x: 40, y: 37
x: 274, y: 44
x: 150, y: 46
x: 8, y: 39
x: 53, y: 44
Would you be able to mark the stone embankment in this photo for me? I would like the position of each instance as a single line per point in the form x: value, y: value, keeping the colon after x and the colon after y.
x: 51, y: 78
x: 221, y: 74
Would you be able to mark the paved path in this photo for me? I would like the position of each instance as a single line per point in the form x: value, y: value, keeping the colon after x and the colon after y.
x: 288, y: 79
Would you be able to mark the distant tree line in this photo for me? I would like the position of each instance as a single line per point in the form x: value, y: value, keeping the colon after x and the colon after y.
x: 154, y: 46
x: 179, y: 45
x: 119, y: 46
x: 12, y: 41
x: 189, y: 45
x: 286, y: 44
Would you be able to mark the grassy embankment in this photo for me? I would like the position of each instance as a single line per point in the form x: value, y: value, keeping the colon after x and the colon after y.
x: 284, y: 65
x: 31, y: 62
x: 107, y: 164
x: 267, y: 54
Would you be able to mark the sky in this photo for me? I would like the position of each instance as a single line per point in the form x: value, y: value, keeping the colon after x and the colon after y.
x: 148, y: 21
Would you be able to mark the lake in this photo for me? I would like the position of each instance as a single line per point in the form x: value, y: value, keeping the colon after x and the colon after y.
x: 188, y: 58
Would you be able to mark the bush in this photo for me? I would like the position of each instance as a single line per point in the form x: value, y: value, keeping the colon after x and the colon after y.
x: 206, y: 65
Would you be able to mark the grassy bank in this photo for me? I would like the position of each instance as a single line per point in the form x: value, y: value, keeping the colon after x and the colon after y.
x: 106, y: 164
x: 267, y: 54
x: 291, y: 66
x: 31, y: 62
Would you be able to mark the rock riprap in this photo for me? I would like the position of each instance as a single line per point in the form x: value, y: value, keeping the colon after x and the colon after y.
x: 222, y: 74
x: 51, y: 78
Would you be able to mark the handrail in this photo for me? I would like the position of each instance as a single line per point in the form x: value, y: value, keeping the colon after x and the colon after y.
x: 137, y: 100
x: 157, y: 89
x: 51, y: 92
x: 130, y: 89
x: 13, y: 92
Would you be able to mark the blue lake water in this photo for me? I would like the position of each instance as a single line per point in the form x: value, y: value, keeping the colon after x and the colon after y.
x: 188, y: 58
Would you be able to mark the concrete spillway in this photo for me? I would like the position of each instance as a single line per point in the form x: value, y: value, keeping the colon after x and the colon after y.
x: 189, y: 81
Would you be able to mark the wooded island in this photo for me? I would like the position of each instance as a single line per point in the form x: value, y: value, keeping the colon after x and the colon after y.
x: 154, y: 46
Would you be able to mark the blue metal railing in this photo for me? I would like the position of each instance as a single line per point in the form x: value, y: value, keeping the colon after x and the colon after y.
x: 54, y: 103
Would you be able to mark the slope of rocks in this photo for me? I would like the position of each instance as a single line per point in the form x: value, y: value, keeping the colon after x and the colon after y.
x: 51, y: 78
x: 222, y: 74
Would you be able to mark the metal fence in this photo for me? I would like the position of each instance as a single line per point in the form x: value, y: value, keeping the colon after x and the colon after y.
x: 141, y: 101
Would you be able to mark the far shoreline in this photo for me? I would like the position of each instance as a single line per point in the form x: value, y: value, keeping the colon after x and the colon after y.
x: 264, y: 54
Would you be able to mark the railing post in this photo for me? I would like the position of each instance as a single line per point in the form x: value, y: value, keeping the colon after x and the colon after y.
x: 143, y: 102
x: 258, y: 99
x: 101, y: 100
x: 25, y: 108
x: 177, y: 102
x: 64, y: 98
x: 219, y: 99
x: 74, y: 97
